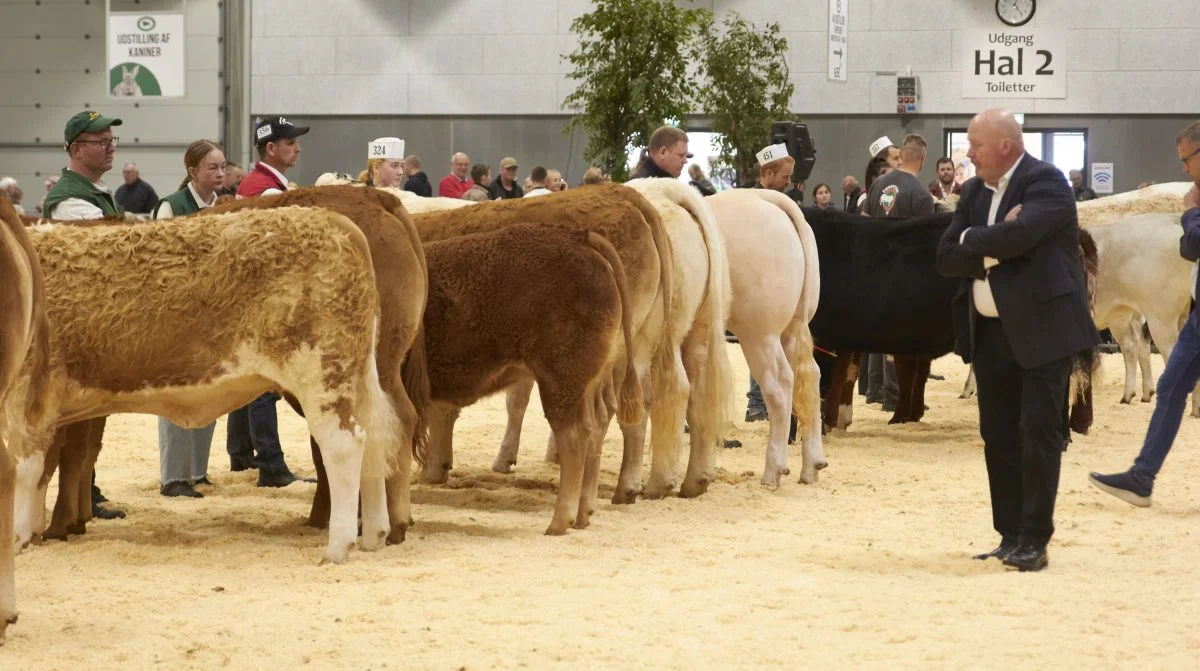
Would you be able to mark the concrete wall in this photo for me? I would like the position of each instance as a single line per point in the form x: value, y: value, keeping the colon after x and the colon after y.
x: 52, y: 65
x: 469, y: 57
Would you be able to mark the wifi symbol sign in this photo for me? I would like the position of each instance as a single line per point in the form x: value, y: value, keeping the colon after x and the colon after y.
x: 1103, y: 178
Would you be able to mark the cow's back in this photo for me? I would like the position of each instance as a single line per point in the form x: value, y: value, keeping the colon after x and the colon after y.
x: 209, y: 283
x: 880, y: 289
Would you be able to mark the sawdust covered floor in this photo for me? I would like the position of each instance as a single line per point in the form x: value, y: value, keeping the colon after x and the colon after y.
x: 870, y: 567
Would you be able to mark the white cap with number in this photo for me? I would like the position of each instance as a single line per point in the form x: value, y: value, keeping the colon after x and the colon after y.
x: 772, y: 153
x: 879, y: 145
x: 386, y: 147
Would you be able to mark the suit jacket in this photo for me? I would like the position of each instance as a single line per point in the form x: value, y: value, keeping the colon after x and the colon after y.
x: 1039, y: 284
x: 851, y: 201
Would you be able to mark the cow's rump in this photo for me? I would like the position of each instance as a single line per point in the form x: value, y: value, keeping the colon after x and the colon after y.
x: 880, y: 289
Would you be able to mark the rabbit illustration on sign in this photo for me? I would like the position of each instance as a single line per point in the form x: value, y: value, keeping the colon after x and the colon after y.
x: 128, y: 85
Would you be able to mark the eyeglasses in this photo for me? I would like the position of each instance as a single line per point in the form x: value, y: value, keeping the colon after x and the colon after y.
x: 104, y: 144
x: 1187, y: 158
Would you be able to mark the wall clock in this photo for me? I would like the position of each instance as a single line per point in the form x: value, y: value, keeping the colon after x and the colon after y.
x: 1015, y: 12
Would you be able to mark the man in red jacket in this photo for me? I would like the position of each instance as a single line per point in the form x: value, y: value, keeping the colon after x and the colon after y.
x: 459, y: 180
x: 252, y: 433
x: 278, y: 150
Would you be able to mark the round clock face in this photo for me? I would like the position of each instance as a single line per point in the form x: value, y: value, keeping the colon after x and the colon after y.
x: 1015, y: 12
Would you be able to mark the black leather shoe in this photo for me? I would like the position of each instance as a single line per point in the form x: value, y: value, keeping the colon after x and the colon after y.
x: 241, y: 464
x: 100, y: 512
x: 936, y: 377
x: 203, y: 481
x: 1028, y: 558
x: 731, y: 444
x: 180, y: 488
x: 280, y: 479
x: 1001, y: 551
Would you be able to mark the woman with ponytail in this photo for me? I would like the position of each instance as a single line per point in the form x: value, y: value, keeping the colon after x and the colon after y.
x: 385, y: 163
x: 183, y: 453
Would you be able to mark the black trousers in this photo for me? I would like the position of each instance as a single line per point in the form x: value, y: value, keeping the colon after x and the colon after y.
x: 1022, y: 421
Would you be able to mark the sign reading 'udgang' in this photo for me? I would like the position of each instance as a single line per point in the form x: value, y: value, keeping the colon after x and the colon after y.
x: 1014, y: 64
x: 146, y: 55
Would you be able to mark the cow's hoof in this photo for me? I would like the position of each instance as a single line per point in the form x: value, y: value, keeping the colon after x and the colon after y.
x: 77, y: 529
x: 558, y: 528
x: 372, y: 541
x: 436, y: 476
x: 397, y: 534
x: 655, y: 491
x: 336, y: 555
x: 583, y: 519
x: 317, y: 522
x: 503, y: 466
x: 55, y: 533
x: 624, y: 496
x: 690, y: 490
x: 809, y: 476
x: 771, y: 477
x: 1126, y: 400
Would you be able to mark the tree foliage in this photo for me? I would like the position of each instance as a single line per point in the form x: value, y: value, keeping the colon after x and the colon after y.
x: 747, y: 88
x: 631, y: 66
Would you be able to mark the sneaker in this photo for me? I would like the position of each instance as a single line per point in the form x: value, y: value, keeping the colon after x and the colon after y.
x: 1125, y: 486
x: 756, y: 415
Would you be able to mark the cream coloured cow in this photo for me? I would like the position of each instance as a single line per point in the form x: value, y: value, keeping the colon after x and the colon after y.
x: 191, y: 318
x: 1158, y: 198
x: 24, y: 350
x: 776, y: 282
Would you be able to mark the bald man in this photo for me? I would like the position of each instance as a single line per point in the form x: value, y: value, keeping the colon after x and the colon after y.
x: 1020, y: 317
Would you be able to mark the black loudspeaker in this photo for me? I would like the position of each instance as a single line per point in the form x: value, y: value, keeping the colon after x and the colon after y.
x: 800, y: 146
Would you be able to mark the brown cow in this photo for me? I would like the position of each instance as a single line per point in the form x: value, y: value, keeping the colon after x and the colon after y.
x: 532, y: 301
x: 400, y: 274
x: 635, y: 229
x: 24, y: 349
x: 191, y: 318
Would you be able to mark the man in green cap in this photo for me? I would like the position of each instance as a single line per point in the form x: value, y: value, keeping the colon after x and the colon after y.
x: 80, y: 193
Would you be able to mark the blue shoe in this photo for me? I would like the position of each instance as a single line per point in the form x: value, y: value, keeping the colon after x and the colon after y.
x: 1125, y: 486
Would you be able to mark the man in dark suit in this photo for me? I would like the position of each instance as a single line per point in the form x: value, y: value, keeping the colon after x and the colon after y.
x: 851, y: 190
x: 1020, y: 316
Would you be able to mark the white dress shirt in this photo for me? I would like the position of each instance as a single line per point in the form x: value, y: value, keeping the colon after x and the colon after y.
x: 981, y: 291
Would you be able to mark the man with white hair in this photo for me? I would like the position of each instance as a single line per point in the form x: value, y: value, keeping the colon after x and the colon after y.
x: 10, y: 189
x: 458, y: 182
x: 135, y: 195
x: 1020, y: 317
x: 1082, y: 191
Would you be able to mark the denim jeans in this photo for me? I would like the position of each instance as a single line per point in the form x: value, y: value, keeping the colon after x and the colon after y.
x: 253, y: 433
x: 1176, y: 382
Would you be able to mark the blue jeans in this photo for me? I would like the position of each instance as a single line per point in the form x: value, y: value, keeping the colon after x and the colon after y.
x: 253, y: 433
x: 1176, y: 382
x: 754, y: 398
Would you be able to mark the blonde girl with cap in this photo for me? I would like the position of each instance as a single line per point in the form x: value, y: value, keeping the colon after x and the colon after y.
x: 385, y: 163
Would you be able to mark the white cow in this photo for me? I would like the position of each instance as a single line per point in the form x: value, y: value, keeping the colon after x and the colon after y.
x: 776, y: 283
x: 1167, y: 197
x: 1141, y: 273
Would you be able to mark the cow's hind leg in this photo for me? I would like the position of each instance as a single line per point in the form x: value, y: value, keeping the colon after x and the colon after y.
x: 845, y: 416
x: 806, y: 397
x: 342, y: 454
x: 516, y: 402
x: 906, y: 373
x: 769, y: 365
x: 318, y: 515
x: 969, y: 387
x: 605, y: 406
x: 8, y: 588
x: 573, y: 436
x: 1130, y: 341
x: 667, y: 410
x: 25, y: 501
x: 442, y: 417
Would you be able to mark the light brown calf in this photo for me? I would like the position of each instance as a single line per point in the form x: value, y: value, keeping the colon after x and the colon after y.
x: 24, y: 344
x: 191, y: 318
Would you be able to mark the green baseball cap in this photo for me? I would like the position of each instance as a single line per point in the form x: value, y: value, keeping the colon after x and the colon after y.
x: 87, y: 122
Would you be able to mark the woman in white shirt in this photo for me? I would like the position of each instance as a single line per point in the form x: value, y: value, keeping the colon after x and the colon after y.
x: 183, y: 453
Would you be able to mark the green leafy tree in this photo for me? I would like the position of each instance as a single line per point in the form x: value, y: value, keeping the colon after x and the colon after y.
x: 747, y: 88
x: 631, y: 66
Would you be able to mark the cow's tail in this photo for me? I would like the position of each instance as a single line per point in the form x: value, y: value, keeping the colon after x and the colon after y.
x: 663, y: 362
x: 630, y: 403
x: 378, y: 417
x: 806, y: 392
x: 714, y: 393
x: 415, y: 377
x: 37, y: 357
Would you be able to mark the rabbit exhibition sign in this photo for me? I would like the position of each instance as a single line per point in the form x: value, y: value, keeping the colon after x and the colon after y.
x: 146, y: 55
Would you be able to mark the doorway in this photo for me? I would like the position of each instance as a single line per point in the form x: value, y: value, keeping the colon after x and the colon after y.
x: 1065, y: 148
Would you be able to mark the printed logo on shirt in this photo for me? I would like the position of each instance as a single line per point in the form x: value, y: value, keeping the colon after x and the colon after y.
x: 887, y: 199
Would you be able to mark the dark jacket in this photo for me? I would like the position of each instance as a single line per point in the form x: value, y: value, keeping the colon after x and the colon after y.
x: 1039, y: 285
x: 648, y: 168
x: 139, y: 198
x: 851, y: 204
x: 704, y: 186
x: 419, y: 184
x: 497, y: 190
x: 1189, y: 243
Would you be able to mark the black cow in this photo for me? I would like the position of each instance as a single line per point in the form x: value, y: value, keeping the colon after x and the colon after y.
x: 881, y: 292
